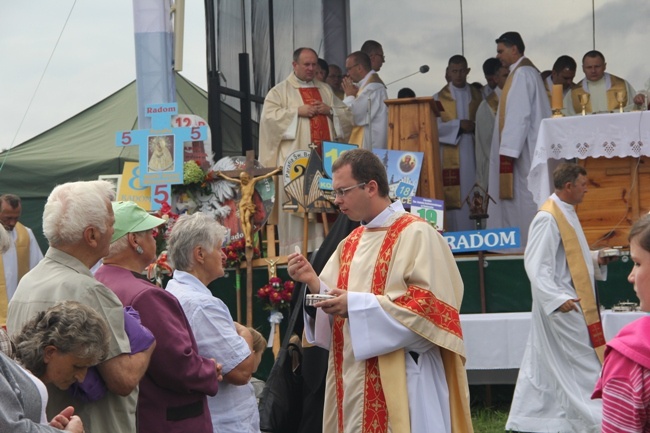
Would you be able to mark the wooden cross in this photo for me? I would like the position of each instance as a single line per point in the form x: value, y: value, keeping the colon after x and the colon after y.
x: 249, y: 167
x: 246, y: 206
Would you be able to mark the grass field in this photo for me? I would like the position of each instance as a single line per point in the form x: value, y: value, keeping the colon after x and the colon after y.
x: 486, y: 420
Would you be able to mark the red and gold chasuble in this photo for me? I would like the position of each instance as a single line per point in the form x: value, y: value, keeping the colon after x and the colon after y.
x: 318, y: 125
x: 422, y: 302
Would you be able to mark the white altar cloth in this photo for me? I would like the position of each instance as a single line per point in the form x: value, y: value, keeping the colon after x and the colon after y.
x: 593, y: 136
x: 496, y: 341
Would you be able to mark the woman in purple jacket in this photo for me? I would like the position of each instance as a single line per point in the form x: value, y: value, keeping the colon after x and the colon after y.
x: 174, y: 390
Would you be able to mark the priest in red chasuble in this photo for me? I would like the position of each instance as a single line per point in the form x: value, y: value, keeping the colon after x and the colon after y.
x: 297, y: 112
x: 392, y: 328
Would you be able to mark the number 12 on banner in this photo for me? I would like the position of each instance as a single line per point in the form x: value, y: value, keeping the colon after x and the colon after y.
x: 430, y: 210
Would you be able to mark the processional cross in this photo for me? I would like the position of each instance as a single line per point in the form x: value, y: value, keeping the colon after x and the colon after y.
x: 161, y: 129
x: 247, y: 178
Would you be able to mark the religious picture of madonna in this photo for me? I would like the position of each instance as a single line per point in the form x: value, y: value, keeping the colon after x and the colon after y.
x: 161, y: 151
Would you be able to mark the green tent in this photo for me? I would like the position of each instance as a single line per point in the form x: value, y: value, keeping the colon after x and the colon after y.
x: 83, y: 147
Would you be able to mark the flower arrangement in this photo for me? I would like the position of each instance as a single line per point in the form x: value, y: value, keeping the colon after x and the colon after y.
x: 160, y: 270
x: 195, y: 178
x: 161, y: 234
x: 236, y: 253
x: 276, y: 295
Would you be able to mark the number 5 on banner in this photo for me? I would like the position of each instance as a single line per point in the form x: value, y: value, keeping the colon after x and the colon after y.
x: 160, y: 194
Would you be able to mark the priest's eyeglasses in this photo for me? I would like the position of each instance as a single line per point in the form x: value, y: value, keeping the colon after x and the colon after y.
x: 341, y: 191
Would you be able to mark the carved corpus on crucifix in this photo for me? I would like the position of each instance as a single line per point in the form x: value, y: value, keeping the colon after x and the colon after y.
x: 271, y: 267
x: 247, y: 178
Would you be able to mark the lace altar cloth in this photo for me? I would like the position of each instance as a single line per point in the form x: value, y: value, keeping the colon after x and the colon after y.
x: 592, y: 136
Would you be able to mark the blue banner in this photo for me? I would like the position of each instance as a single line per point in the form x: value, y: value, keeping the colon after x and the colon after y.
x: 482, y: 240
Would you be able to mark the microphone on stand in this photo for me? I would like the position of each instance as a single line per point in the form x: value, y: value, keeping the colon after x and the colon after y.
x: 423, y: 70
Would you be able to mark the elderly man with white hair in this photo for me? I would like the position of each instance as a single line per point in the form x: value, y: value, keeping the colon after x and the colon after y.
x: 78, y: 224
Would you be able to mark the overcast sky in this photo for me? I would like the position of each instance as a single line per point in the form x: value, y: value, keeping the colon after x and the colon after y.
x: 95, y: 55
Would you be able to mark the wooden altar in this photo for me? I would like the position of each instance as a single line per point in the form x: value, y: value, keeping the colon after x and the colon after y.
x: 616, y: 198
x: 615, y: 150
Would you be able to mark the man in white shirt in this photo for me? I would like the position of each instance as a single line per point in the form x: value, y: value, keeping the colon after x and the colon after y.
x: 490, y: 67
x: 375, y: 52
x: 522, y: 106
x: 365, y: 94
x: 564, y: 352
x: 456, y: 126
x: 606, y: 92
x: 485, y: 116
x: 23, y: 253
x: 334, y: 78
x: 563, y: 72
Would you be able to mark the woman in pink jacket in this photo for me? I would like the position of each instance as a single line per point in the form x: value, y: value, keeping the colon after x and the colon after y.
x: 624, y: 384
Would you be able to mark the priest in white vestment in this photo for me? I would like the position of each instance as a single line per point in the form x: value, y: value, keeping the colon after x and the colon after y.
x: 456, y: 126
x: 365, y: 94
x: 485, y: 115
x: 22, y: 254
x: 560, y: 364
x: 522, y: 106
x: 490, y: 67
x: 606, y: 92
x: 297, y: 112
x: 392, y: 326
x: 563, y: 72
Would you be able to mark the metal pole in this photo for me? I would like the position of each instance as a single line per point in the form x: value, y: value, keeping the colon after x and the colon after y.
x: 245, y: 103
x: 593, y: 22
x: 243, y: 25
x: 214, y: 93
x: 462, y: 30
x: 271, y: 44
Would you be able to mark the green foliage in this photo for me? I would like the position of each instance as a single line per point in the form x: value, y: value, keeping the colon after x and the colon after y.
x: 192, y: 173
x: 487, y: 420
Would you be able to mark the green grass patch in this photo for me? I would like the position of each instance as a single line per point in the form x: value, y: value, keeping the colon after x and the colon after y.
x: 489, y: 420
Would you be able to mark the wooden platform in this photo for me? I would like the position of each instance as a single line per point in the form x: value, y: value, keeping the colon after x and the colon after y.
x: 619, y: 193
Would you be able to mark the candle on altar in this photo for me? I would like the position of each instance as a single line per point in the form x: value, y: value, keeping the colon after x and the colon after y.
x: 557, y: 97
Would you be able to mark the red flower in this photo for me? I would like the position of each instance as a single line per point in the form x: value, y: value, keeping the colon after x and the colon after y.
x: 275, y: 297
x: 276, y: 294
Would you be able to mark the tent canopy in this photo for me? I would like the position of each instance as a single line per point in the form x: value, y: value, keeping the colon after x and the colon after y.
x: 83, y: 147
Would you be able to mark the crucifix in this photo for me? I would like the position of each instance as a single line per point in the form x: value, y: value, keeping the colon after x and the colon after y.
x: 247, y: 178
x: 271, y: 267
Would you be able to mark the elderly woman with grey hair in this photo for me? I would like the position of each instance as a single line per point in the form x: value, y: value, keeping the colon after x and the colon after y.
x: 194, y: 248
x: 56, y: 347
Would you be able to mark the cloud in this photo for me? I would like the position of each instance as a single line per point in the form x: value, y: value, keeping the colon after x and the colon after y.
x: 96, y: 54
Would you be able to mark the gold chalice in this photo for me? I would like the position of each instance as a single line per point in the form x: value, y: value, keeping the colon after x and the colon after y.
x: 620, y: 98
x: 584, y: 100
